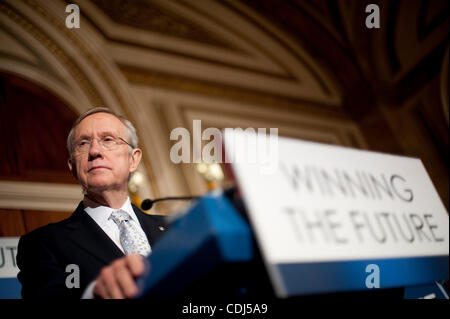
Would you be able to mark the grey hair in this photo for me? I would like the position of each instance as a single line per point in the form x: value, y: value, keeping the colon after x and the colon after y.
x: 132, y: 137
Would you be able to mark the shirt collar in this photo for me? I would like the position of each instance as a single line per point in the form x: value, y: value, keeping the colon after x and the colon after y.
x: 101, y: 213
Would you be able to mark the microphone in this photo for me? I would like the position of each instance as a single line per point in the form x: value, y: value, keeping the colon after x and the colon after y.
x: 148, y: 203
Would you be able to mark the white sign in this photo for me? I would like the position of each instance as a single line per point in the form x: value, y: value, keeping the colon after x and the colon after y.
x: 8, y: 252
x: 329, y: 203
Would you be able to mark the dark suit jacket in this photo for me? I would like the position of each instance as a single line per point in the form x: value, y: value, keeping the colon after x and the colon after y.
x: 44, y: 253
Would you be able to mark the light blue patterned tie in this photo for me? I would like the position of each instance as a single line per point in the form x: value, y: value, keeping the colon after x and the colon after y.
x: 131, y: 239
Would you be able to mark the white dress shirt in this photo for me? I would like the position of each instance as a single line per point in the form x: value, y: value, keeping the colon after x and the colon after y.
x: 100, y: 214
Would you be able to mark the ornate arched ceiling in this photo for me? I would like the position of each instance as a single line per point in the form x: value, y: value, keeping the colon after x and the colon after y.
x: 311, y: 68
x: 223, y: 48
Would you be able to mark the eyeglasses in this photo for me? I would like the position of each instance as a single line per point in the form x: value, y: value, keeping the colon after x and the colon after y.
x: 106, y: 143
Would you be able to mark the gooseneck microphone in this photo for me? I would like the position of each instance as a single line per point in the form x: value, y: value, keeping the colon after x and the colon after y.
x: 148, y: 203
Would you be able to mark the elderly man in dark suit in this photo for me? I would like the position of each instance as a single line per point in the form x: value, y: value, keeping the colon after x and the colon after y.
x: 106, y: 237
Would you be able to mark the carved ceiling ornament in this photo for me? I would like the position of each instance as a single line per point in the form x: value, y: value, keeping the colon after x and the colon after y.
x: 147, y: 15
x: 253, y: 55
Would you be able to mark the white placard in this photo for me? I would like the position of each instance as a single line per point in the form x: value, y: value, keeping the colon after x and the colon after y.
x: 330, y: 203
x: 8, y: 253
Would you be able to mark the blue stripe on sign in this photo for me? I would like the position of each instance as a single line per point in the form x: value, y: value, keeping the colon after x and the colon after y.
x: 10, y: 288
x: 327, y: 277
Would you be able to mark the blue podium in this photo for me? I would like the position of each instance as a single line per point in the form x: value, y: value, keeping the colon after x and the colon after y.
x: 210, y: 252
x: 212, y: 239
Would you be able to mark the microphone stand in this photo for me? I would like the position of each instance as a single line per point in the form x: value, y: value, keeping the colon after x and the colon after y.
x: 148, y: 203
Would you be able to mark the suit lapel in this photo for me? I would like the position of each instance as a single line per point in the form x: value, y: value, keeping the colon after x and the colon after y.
x: 153, y: 227
x: 90, y: 237
x: 85, y: 233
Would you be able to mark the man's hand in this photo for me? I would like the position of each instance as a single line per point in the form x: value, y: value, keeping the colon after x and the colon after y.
x: 117, y: 280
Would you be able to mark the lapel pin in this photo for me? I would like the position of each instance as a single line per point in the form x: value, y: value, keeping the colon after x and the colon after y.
x: 161, y: 228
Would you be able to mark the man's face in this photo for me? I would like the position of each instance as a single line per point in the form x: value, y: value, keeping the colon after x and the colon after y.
x: 102, y: 169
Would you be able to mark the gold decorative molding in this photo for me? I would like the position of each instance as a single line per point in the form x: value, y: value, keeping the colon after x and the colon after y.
x: 147, y: 15
x: 185, y: 84
x: 269, y: 60
x: 39, y: 196
x: 52, y: 47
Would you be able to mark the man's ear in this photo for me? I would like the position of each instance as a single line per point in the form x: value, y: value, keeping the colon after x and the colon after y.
x: 135, y: 159
x: 72, y: 167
